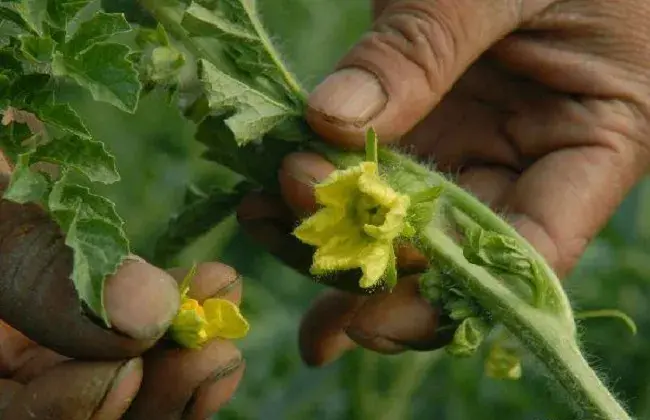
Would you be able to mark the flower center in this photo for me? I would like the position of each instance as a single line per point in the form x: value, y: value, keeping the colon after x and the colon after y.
x: 368, y: 212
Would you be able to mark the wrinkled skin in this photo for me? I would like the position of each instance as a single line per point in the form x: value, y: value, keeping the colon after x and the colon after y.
x: 539, y: 107
x: 72, y: 368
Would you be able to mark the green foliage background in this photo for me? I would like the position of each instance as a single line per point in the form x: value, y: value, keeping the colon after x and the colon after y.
x: 157, y: 157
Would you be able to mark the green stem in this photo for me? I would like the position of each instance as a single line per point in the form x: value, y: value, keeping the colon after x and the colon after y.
x: 273, y: 53
x: 547, y: 331
x: 537, y: 329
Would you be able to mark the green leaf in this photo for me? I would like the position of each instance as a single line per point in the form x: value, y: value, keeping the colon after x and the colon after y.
x: 99, y: 250
x: 257, y: 162
x: 198, y: 216
x: 26, y: 185
x: 105, y: 71
x: 66, y: 196
x: 201, y: 21
x: 236, y: 23
x: 29, y: 89
x: 87, y: 156
x: 7, y: 14
x: 37, y: 48
x: 251, y: 113
x: 94, y: 232
x: 63, y: 11
x: 11, y: 139
x: 33, y: 12
x: 100, y: 27
x: 63, y: 117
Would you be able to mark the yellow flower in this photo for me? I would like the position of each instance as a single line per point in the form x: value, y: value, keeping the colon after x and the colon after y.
x: 195, y: 325
x: 360, y: 218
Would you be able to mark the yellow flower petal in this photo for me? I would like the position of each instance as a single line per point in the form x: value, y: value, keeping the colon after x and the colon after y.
x: 189, y: 326
x: 340, y: 253
x: 336, y: 190
x: 372, y: 185
x: 394, y: 222
x: 374, y: 263
x: 319, y: 228
x: 224, y: 319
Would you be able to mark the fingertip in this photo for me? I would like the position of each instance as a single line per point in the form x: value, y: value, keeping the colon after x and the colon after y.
x: 141, y: 300
x: 298, y: 175
x: 398, y: 320
x: 212, y: 279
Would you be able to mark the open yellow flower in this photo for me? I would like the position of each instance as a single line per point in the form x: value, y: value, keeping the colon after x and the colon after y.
x: 360, y: 219
x: 196, y: 324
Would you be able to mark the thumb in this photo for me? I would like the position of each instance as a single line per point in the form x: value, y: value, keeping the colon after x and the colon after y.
x: 38, y: 299
x: 399, y: 70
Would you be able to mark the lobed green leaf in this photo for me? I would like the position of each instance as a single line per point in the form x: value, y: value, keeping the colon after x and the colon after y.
x: 87, y: 156
x: 100, y: 27
x: 251, y: 114
x: 106, y: 71
x: 26, y: 185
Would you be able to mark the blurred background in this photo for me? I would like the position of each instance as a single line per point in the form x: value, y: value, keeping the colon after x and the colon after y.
x: 157, y: 157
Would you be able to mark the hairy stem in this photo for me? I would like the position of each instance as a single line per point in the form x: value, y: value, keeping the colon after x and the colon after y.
x: 539, y: 331
x: 547, y: 331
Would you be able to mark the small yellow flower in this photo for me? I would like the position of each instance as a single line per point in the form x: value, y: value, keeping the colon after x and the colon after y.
x: 195, y: 325
x: 360, y: 218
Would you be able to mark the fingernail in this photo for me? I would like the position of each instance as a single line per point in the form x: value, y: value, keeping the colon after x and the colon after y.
x: 352, y: 96
x: 141, y: 300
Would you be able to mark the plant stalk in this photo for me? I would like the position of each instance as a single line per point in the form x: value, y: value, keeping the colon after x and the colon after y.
x: 538, y: 331
x: 548, y: 332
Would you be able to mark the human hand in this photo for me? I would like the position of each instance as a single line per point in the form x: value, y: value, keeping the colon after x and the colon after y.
x: 72, y: 368
x: 539, y: 107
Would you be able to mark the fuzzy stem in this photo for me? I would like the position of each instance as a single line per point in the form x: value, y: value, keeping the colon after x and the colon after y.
x: 537, y: 330
x: 548, y: 332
